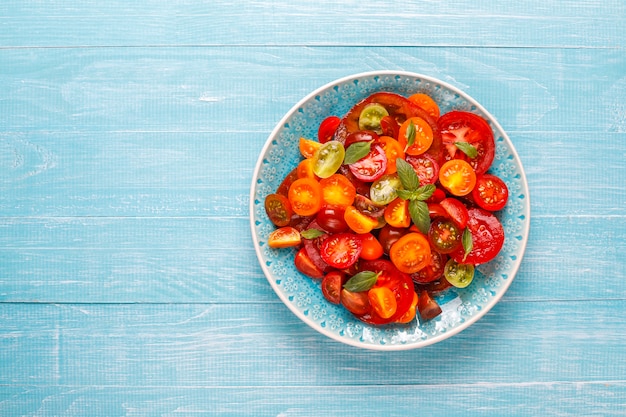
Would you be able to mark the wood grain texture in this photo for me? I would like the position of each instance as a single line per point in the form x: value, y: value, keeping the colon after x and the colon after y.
x: 128, y: 137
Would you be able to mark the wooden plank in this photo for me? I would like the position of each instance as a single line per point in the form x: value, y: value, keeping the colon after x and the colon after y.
x: 479, y: 23
x: 227, y: 345
x: 205, y: 259
x: 454, y: 400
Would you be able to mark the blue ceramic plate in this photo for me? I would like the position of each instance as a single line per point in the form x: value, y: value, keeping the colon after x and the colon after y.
x: 461, y: 307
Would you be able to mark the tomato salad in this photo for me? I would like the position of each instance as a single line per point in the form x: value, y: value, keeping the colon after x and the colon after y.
x: 391, y: 204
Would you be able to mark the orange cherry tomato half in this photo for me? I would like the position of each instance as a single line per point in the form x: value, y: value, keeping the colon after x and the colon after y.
x: 410, y: 253
x: 383, y: 301
x: 458, y: 177
x: 308, y: 147
x: 421, y: 134
x: 393, y: 150
x: 284, y: 237
x: 305, y: 196
x: 372, y: 249
x: 337, y: 190
x: 359, y: 223
x: 305, y: 169
x: 427, y: 103
x: 410, y: 313
x: 397, y: 213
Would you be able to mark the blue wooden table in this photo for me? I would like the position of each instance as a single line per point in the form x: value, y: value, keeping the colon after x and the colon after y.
x: 129, y: 131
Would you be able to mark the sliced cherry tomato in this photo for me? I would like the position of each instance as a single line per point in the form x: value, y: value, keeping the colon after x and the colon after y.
x: 459, y: 274
x: 393, y: 150
x: 372, y: 249
x: 426, y: 168
x: 341, y: 250
x: 388, y: 235
x: 437, y: 196
x: 370, y: 117
x: 433, y: 271
x: 456, y: 211
x: 362, y: 187
x: 410, y: 253
x: 328, y: 159
x: 487, y: 237
x: 435, y: 210
x: 368, y: 207
x: 356, y: 302
x: 427, y: 307
x: 305, y: 169
x: 389, y: 126
x: 359, y: 222
x: 460, y: 126
x: 397, y: 213
x: 372, y: 166
x: 427, y: 103
x: 306, y: 266
x: 278, y: 209
x: 331, y: 219
x: 327, y: 128
x: 332, y: 284
x: 383, y: 301
x: 312, y: 247
x: 444, y: 235
x: 283, y: 188
x: 490, y: 192
x: 305, y: 196
x: 284, y: 237
x: 383, y: 190
x: 410, y: 313
x: 308, y: 147
x: 415, y: 136
x: 337, y: 190
x: 458, y: 177
x: 360, y: 136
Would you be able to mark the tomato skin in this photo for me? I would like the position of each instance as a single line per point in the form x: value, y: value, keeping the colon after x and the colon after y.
x: 458, y: 177
x: 410, y: 253
x: 356, y: 302
x: 460, y: 126
x: 426, y: 168
x: 284, y: 237
x: 341, y: 250
x: 305, y: 196
x: 456, y: 211
x: 372, y: 249
x: 331, y: 286
x: 306, y: 266
x: 427, y: 307
x: 372, y: 166
x: 331, y: 219
x: 487, y: 237
x: 327, y: 128
x: 278, y: 209
x: 389, y: 126
x: 490, y: 192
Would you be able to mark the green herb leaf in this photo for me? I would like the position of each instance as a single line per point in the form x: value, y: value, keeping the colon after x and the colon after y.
x: 424, y: 193
x: 419, y: 214
x: 467, y: 149
x: 468, y: 243
x: 406, y: 194
x: 311, y: 233
x: 410, y: 134
x: 408, y: 177
x: 362, y: 281
x: 357, y: 151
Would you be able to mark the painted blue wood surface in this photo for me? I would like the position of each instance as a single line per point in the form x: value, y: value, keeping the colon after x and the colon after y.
x: 128, y: 136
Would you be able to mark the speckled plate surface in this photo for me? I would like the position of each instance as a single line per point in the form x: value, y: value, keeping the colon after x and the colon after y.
x: 461, y: 307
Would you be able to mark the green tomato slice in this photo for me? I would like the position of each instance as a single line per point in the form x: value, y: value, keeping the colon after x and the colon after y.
x: 328, y: 158
x: 370, y: 116
x: 459, y: 275
x: 384, y: 190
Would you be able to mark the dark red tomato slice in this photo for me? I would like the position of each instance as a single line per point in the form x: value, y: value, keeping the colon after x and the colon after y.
x: 368, y: 207
x: 283, y: 188
x: 332, y: 284
x: 425, y: 166
x: 360, y: 136
x: 372, y: 166
x: 389, y: 126
x: 399, y: 283
x: 427, y: 307
x: 327, y: 128
x: 312, y: 247
x: 331, y: 219
x: 399, y: 109
x: 388, y: 235
x: 460, y: 126
x: 278, y: 209
x: 341, y: 250
x: 444, y: 235
x: 487, y: 237
x: 433, y: 271
x: 435, y: 210
x: 357, y: 303
x: 305, y: 265
x: 490, y: 192
x: 456, y: 211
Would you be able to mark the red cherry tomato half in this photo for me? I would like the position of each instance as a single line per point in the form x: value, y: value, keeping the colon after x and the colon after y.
x: 331, y: 219
x: 327, y: 128
x: 460, y: 126
x: 487, y: 237
x: 306, y: 266
x: 360, y: 136
x: 312, y: 247
x: 433, y: 271
x: 426, y: 168
x: 341, y: 250
x: 490, y: 192
x: 389, y: 126
x: 331, y: 286
x: 456, y: 211
x: 372, y: 166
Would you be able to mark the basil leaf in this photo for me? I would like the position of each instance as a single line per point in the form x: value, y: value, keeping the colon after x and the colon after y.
x: 468, y: 243
x: 408, y: 177
x: 311, y: 233
x: 406, y: 194
x: 419, y: 214
x: 357, y: 151
x: 362, y: 281
x: 467, y: 149
x: 424, y: 193
x: 410, y: 134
